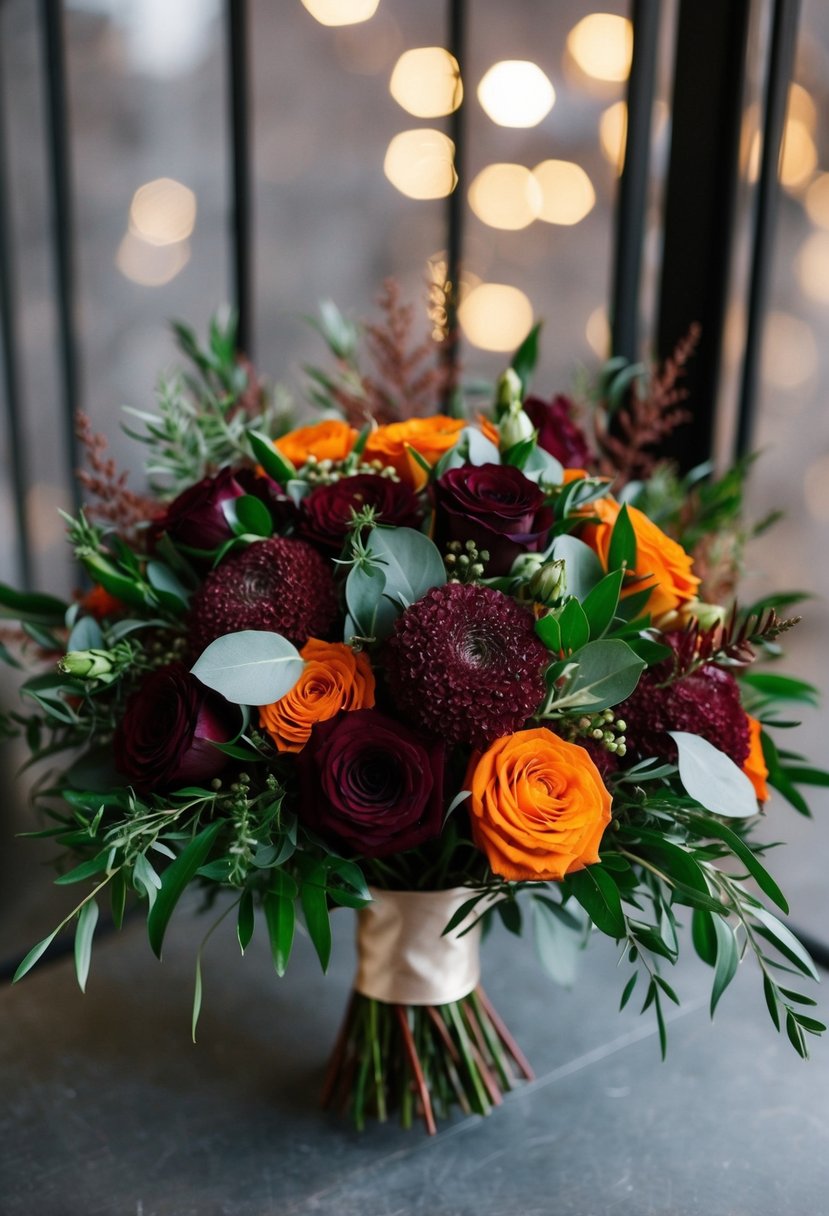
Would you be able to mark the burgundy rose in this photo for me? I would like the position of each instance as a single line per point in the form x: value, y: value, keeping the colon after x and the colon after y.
x: 371, y: 783
x: 196, y: 517
x: 495, y: 506
x: 167, y: 733
x: 558, y: 434
x: 326, y: 512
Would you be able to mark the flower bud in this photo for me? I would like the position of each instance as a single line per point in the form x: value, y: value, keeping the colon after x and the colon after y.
x: 87, y: 664
x: 514, y: 426
x: 548, y: 583
x: 508, y: 392
x: 526, y: 564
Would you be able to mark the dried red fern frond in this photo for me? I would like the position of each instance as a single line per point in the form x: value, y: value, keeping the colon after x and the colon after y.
x: 408, y: 378
x: 116, y: 504
x: 730, y: 644
x: 629, y: 451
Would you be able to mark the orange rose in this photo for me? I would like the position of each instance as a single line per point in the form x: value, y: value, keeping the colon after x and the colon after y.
x: 489, y: 430
x: 100, y: 604
x: 329, y: 440
x: 755, y: 766
x: 429, y: 437
x: 661, y: 563
x: 334, y: 678
x: 538, y: 806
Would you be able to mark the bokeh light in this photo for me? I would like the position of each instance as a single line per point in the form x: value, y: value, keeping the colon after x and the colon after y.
x: 148, y: 264
x: 567, y: 194
x: 597, y: 332
x: 163, y: 212
x: 516, y: 93
x: 426, y: 81
x: 799, y: 159
x: 421, y: 163
x: 790, y: 356
x: 341, y: 12
x: 817, y: 200
x: 495, y: 316
x: 505, y: 196
x: 613, y: 129
x: 602, y: 46
x: 813, y: 267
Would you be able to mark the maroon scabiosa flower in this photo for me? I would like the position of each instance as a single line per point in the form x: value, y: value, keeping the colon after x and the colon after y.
x: 464, y: 663
x: 279, y: 584
x: 705, y: 702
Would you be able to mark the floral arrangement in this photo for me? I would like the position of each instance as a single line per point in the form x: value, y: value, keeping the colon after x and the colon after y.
x: 443, y: 668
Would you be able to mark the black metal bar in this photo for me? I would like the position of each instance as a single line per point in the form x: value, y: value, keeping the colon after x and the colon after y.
x: 456, y: 40
x: 11, y: 371
x: 241, y: 194
x: 700, y: 203
x: 57, y: 120
x: 632, y: 199
x: 780, y: 66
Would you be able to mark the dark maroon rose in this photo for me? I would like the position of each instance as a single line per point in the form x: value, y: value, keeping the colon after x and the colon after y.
x: 326, y: 512
x: 167, y: 733
x: 196, y: 517
x: 369, y: 782
x: 558, y: 434
x: 495, y: 506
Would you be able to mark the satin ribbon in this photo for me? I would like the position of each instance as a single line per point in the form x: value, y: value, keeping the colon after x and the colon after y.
x: 403, y: 958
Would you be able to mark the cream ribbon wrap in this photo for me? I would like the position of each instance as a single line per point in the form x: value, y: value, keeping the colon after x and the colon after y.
x: 402, y: 957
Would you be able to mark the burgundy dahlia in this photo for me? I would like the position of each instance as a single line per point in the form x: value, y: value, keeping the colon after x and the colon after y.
x: 327, y: 511
x: 558, y: 434
x: 705, y: 703
x: 465, y: 663
x: 168, y: 730
x: 282, y: 585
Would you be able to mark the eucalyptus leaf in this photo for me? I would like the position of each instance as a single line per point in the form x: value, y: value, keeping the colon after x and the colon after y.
x: 607, y: 673
x: 471, y: 447
x: 87, y: 920
x: 86, y: 635
x: 252, y: 667
x: 712, y: 778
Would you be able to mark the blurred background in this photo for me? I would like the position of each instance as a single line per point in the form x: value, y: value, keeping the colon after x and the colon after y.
x: 351, y: 105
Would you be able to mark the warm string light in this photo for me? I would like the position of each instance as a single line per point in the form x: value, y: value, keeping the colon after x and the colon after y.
x: 341, y: 12
x: 426, y: 82
x: 420, y: 163
x: 516, y: 93
x: 495, y: 316
x: 602, y: 46
x: 156, y: 246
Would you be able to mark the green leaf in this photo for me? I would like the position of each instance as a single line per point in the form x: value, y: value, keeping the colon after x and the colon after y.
x: 558, y: 946
x: 574, y: 626
x: 87, y: 920
x: 118, y: 895
x: 197, y: 998
x: 271, y: 459
x: 771, y: 1001
x: 598, y: 894
x: 549, y: 630
x: 34, y: 954
x: 712, y: 778
x: 411, y: 563
x: 607, y: 673
x: 786, y: 942
x: 519, y: 453
x: 622, y: 551
x: 627, y: 991
x: 31, y: 606
x: 764, y: 880
x: 252, y: 516
x: 368, y: 610
x: 122, y: 586
x: 782, y: 688
x: 315, y: 910
x: 174, y: 881
x: 87, y: 869
x: 245, y: 919
x: 85, y: 635
x: 471, y: 447
x: 526, y: 357
x: 728, y: 957
x: 169, y: 588
x: 601, y: 603
x: 795, y: 1035
x: 803, y: 775
x: 252, y: 667
x: 280, y: 918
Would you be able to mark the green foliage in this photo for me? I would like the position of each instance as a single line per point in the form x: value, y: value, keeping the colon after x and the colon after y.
x: 251, y: 667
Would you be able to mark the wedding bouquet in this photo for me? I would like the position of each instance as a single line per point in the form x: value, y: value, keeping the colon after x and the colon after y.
x: 437, y: 657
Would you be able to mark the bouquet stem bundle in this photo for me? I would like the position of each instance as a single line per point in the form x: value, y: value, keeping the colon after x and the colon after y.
x: 421, y: 1060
